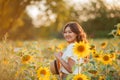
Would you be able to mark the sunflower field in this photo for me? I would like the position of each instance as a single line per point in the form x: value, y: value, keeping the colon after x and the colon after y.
x: 30, y: 60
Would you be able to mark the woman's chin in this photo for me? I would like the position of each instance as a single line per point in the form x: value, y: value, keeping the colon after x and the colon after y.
x: 70, y: 41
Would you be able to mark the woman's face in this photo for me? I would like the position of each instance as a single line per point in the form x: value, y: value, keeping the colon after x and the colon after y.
x: 69, y: 36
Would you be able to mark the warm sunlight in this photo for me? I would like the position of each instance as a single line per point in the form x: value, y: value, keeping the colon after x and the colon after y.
x: 59, y: 39
x: 34, y: 11
x: 80, y: 1
x: 117, y: 2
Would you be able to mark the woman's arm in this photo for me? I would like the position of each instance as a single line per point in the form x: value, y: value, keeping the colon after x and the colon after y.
x: 67, y: 65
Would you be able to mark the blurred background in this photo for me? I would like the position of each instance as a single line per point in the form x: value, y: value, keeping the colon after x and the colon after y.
x: 44, y: 19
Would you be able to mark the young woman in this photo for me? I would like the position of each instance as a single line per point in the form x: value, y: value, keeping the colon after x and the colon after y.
x: 72, y: 32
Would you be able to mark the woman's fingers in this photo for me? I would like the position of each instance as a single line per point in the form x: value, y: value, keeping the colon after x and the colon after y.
x: 57, y: 56
x: 60, y: 53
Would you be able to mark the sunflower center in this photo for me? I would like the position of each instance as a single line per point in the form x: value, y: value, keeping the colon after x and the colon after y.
x: 96, y: 56
x: 81, y: 48
x: 103, y: 44
x: 106, y: 58
x: 102, y: 79
x: 79, y: 78
x: 112, y: 56
x: 42, y: 72
x: 26, y: 58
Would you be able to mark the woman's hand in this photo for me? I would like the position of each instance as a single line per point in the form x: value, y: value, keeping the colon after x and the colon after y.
x: 67, y: 65
x: 58, y: 55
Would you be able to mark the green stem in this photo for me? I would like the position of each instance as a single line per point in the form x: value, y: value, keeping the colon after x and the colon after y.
x: 106, y: 70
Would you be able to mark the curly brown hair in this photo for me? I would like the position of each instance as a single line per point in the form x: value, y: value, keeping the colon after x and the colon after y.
x: 77, y: 29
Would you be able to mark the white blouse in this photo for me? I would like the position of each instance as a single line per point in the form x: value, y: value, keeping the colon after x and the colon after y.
x: 68, y: 53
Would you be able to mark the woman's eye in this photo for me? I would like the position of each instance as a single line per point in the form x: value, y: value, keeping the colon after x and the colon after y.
x: 64, y: 32
x: 69, y: 32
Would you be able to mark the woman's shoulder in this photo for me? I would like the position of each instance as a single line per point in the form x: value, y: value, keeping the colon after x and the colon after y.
x: 68, y: 50
x: 70, y: 45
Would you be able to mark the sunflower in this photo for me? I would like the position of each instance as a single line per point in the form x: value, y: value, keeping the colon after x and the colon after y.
x: 103, y: 45
x: 26, y: 58
x: 112, y: 56
x: 92, y: 47
x: 5, y: 61
x: 61, y: 46
x: 43, y: 73
x: 93, y: 52
x: 96, y: 56
x: 118, y: 32
x: 95, y: 72
x: 53, y: 77
x: 106, y: 59
x: 81, y: 49
x: 80, y: 77
x: 102, y: 78
x: 52, y: 48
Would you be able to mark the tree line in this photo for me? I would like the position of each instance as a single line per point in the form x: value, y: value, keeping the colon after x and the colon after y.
x: 18, y: 25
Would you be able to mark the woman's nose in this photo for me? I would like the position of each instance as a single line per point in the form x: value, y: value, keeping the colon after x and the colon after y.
x: 67, y: 33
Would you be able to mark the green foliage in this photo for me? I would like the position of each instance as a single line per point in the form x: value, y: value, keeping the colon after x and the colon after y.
x: 99, y: 18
